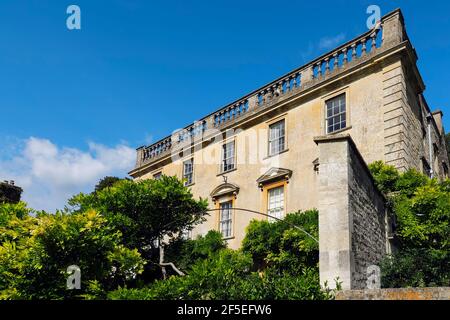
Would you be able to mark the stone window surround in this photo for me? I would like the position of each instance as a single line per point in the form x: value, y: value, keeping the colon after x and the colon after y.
x: 269, y: 193
x: 223, y: 199
x: 226, y: 141
x: 190, y: 158
x: 329, y: 96
x: 279, y: 118
x: 265, y: 194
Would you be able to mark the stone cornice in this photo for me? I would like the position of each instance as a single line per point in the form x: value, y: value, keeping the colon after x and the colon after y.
x: 272, y: 98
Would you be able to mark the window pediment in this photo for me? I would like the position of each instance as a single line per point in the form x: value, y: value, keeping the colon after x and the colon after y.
x: 224, y: 190
x: 274, y: 174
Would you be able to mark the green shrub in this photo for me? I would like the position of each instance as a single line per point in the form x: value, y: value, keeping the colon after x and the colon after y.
x: 421, y: 207
x: 416, y: 268
x: 280, y: 246
x: 184, y: 253
x: 385, y: 176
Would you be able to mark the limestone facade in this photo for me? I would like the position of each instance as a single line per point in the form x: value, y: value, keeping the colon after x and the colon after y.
x: 374, y: 75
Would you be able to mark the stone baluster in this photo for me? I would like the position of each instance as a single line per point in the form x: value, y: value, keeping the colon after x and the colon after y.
x: 319, y: 69
x: 327, y: 65
x: 294, y: 81
x: 216, y: 120
x: 345, y: 60
x: 288, y: 84
x: 353, y: 48
x: 363, y: 48
x: 269, y: 94
x: 235, y: 111
x: 374, y: 40
x: 336, y: 61
x: 204, y: 126
x: 279, y: 88
x: 263, y: 97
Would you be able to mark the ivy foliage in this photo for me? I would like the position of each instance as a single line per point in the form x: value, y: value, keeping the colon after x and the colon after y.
x: 422, y: 211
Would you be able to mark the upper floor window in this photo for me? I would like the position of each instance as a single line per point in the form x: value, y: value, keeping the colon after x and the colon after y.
x: 336, y: 118
x: 226, y: 219
x: 157, y: 176
x: 188, y: 172
x: 228, y: 157
x: 277, y: 138
x: 275, y: 203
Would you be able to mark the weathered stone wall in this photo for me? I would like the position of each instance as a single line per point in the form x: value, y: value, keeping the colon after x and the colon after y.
x: 367, y: 214
x: 441, y: 293
x: 352, y: 213
x: 405, y: 122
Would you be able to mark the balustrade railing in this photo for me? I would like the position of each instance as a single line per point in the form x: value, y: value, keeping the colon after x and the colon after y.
x: 340, y: 58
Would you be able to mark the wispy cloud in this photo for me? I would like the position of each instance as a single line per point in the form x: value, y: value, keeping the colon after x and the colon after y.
x: 327, y: 43
x: 324, y: 44
x: 50, y: 174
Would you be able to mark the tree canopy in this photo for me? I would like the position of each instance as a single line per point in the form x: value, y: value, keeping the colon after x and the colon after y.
x: 108, y: 234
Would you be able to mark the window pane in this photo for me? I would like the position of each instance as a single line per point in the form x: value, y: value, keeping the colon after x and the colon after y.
x: 336, y: 114
x: 188, y: 170
x: 228, y: 156
x: 226, y: 219
x: 276, y: 203
x: 276, y: 137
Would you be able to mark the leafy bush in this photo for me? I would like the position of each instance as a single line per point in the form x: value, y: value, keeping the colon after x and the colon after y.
x: 422, y: 210
x: 416, y: 268
x: 227, y: 276
x: 385, y: 176
x: 184, y: 253
x: 35, y: 267
x: 277, y: 261
x: 280, y: 246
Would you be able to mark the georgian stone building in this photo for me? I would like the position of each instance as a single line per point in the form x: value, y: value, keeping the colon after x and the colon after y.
x: 304, y: 141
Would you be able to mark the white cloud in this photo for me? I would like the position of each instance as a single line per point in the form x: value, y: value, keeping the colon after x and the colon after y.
x: 331, y: 42
x: 50, y: 174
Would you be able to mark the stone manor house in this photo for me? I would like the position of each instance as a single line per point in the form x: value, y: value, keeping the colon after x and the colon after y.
x: 304, y: 140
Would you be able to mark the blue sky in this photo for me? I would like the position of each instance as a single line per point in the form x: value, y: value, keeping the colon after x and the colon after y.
x: 139, y: 69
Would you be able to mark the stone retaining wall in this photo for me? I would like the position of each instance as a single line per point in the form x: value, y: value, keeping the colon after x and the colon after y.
x: 352, y: 215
